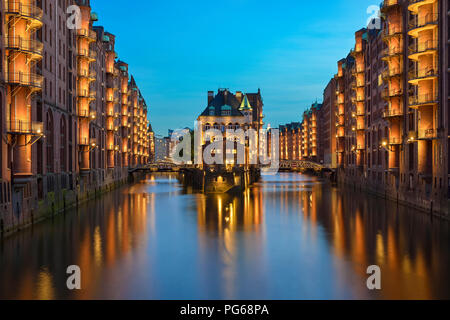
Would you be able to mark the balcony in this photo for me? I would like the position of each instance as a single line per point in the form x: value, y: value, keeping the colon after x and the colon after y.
x: 91, y: 75
x: 427, y: 134
x: 32, y: 80
x: 19, y: 127
x: 90, y: 55
x: 414, y: 5
x: 386, y: 5
x: 92, y: 142
x: 392, y: 31
x: 387, y: 94
x: 91, y: 114
x: 391, y: 73
x: 29, y: 12
x: 395, y: 141
x: 359, y: 98
x: 422, y: 100
x: 360, y: 84
x: 33, y: 47
x: 422, y: 23
x: 420, y: 48
x: 87, y: 94
x: 340, y: 124
x: 417, y: 75
x: 392, y: 113
x: 112, y: 71
x: 87, y: 34
x: 358, y: 70
x: 391, y: 52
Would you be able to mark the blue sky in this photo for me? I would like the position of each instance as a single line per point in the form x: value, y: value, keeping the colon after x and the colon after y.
x: 178, y: 50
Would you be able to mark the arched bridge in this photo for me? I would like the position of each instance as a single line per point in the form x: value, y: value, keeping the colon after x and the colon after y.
x: 168, y: 166
x: 161, y: 166
x: 300, y: 165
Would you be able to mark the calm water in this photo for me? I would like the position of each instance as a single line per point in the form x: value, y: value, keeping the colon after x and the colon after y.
x: 288, y: 237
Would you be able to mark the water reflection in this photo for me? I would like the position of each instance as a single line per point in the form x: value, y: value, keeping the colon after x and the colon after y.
x: 288, y: 237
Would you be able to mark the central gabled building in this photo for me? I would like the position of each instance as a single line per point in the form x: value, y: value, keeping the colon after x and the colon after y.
x: 228, y: 111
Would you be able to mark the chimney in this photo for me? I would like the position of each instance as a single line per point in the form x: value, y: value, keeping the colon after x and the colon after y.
x: 239, y: 95
x: 210, y: 96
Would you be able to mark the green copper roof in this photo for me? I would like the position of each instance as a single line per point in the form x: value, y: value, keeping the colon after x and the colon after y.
x: 94, y: 16
x: 245, y: 105
x: 105, y: 38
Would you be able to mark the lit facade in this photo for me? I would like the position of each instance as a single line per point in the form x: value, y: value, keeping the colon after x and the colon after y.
x: 65, y: 101
x: 392, y: 106
x: 327, y: 126
x: 291, y: 138
x: 228, y: 111
x: 310, y: 133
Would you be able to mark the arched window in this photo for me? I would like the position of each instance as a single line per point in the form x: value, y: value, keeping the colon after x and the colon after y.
x: 50, y: 141
x: 63, y: 144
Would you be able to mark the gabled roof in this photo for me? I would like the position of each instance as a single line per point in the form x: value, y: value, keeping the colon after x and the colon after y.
x: 226, y: 99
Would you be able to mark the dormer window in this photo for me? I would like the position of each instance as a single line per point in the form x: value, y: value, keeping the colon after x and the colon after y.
x: 226, y: 110
x: 212, y: 111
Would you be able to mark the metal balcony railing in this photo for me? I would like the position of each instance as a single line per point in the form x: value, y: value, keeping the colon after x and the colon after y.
x: 88, y: 142
x: 391, y: 72
x: 391, y: 93
x: 422, y: 21
x: 424, y: 46
x: 358, y: 69
x: 392, y: 51
x: 26, y: 45
x: 24, y: 127
x: 25, y: 10
x: 422, y: 73
x: 417, y: 100
x: 91, y: 74
x: 390, y: 31
x: 392, y: 113
x: 92, y: 114
x: 90, y: 54
x: 89, y: 94
x: 91, y: 35
x: 24, y: 79
x: 395, y: 141
x: 388, y: 3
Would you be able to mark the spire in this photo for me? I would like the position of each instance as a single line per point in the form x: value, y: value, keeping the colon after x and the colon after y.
x: 245, y: 105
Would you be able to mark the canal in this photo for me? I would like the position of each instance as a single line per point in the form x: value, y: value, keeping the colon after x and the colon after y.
x: 291, y: 236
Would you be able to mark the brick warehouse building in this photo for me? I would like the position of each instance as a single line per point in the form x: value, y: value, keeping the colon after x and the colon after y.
x: 72, y: 120
x: 392, y: 106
